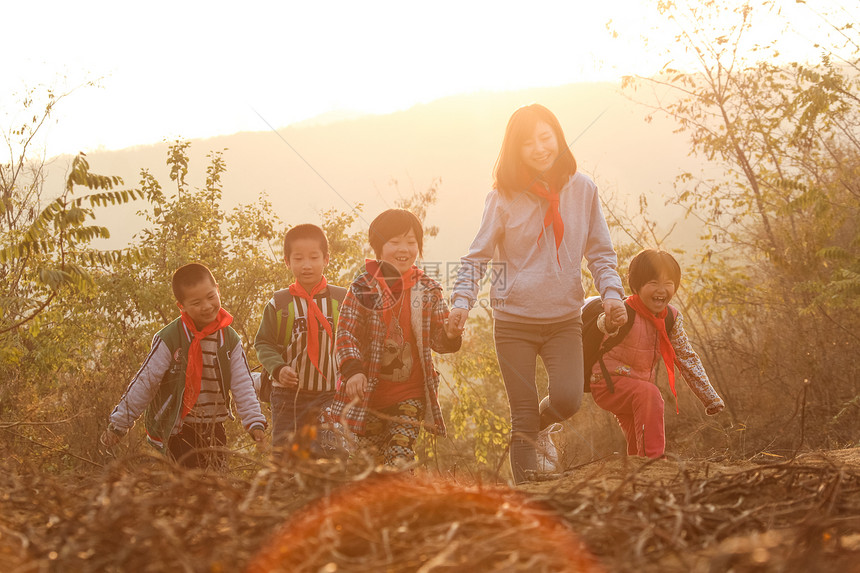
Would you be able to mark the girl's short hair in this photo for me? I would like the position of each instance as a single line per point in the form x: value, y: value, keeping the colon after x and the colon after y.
x: 648, y: 265
x: 511, y: 174
x: 393, y: 223
x: 305, y: 231
x: 188, y: 276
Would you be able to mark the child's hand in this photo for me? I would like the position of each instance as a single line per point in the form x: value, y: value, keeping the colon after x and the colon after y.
x: 288, y: 377
x: 356, y: 386
x: 715, y: 408
x: 616, y: 312
x: 109, y: 439
x: 456, y: 322
x: 259, y: 438
x: 604, y: 327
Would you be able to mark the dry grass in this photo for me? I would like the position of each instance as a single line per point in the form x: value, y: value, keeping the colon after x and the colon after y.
x: 143, y: 514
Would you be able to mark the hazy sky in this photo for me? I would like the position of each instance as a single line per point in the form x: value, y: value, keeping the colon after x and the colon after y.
x: 195, y: 69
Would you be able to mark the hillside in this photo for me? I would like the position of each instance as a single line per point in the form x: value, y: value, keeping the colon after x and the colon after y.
x: 345, y: 162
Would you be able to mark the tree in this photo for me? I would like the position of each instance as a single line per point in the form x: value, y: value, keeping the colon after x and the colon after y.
x: 46, y: 248
x: 47, y: 268
x: 780, y: 209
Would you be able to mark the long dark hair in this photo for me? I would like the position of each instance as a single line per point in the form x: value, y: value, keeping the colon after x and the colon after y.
x: 511, y: 175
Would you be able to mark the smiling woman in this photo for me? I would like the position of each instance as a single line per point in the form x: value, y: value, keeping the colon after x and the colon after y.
x: 541, y: 219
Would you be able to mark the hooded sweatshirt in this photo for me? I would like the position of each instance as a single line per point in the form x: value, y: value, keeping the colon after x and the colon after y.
x: 530, y: 281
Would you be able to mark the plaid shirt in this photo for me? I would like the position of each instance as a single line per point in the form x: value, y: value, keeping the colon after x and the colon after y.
x: 361, y: 333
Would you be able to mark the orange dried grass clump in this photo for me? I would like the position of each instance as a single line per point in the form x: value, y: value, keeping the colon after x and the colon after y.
x: 405, y: 523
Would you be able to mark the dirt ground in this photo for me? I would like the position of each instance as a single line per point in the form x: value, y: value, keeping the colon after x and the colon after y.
x: 618, y: 514
x: 765, y: 514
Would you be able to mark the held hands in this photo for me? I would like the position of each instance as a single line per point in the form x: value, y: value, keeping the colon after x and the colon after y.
x: 287, y: 377
x: 456, y: 322
x: 356, y: 386
x: 616, y: 313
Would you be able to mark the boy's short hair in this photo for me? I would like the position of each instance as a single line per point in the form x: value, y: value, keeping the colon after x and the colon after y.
x: 305, y: 231
x: 393, y: 223
x: 648, y: 265
x: 188, y: 276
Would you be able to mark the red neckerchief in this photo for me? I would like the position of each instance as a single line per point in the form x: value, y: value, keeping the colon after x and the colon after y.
x: 397, y: 288
x: 316, y: 318
x: 194, y: 370
x: 553, y: 215
x: 666, y: 349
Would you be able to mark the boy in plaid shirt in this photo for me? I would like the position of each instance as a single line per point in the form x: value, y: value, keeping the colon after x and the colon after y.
x: 392, y: 317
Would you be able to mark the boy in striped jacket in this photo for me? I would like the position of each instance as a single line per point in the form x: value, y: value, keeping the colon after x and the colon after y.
x: 196, y: 363
x: 295, y: 341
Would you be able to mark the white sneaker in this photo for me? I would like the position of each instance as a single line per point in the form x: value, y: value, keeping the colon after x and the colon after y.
x: 547, y: 453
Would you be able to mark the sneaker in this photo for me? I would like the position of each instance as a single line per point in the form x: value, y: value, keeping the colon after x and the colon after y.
x: 547, y: 453
x: 332, y: 437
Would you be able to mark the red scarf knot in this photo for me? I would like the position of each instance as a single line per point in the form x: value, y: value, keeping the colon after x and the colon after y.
x: 316, y: 318
x: 553, y: 215
x: 399, y: 286
x: 194, y: 370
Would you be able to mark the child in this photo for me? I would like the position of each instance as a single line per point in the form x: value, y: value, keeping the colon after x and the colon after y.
x: 295, y: 341
x: 185, y: 383
x: 540, y: 220
x: 635, y: 400
x: 392, y: 317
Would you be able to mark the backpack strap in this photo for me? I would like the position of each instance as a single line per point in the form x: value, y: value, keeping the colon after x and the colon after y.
x: 284, y: 302
x: 336, y: 296
x: 613, y: 341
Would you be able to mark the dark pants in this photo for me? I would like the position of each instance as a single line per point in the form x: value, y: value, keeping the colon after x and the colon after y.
x: 296, y: 418
x: 190, y: 447
x: 518, y: 345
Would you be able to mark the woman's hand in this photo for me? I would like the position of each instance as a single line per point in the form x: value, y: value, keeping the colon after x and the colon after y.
x: 616, y: 313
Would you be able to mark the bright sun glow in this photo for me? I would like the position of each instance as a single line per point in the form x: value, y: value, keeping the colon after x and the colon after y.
x: 195, y: 69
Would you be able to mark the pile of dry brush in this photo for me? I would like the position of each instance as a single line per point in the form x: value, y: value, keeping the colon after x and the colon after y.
x: 619, y: 514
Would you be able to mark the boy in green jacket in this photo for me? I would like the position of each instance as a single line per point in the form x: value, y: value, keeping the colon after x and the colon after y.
x: 196, y: 363
x: 295, y: 341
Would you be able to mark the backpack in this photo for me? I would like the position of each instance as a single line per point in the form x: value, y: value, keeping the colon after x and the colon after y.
x: 284, y: 301
x: 593, y: 345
